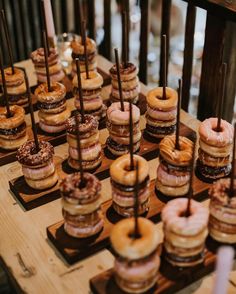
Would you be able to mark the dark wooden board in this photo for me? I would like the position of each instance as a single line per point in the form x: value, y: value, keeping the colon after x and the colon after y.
x: 73, y: 249
x: 31, y: 198
x: 169, y: 279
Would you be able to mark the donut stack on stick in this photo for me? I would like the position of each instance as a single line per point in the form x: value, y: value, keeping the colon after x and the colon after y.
x: 137, y: 259
x: 184, y: 236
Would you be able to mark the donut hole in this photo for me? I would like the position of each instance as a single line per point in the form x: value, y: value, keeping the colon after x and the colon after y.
x: 220, y: 130
x: 184, y: 213
x: 133, y: 235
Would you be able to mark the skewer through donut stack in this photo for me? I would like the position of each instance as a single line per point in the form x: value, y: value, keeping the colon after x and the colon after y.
x: 91, y: 89
x: 53, y: 111
x: 38, y: 167
x: 173, y: 172
x: 89, y: 140
x: 129, y: 80
x: 184, y: 237
x: 55, y: 68
x: 118, y: 127
x: 214, y: 154
x: 123, y: 185
x: 16, y: 88
x: 161, y: 113
x: 81, y: 205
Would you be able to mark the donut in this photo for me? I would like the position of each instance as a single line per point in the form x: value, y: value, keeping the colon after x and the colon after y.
x: 15, y: 120
x: 54, y: 119
x: 155, y: 114
x: 89, y: 153
x: 211, y: 161
x: 127, y: 95
x: 127, y: 73
x: 89, y: 126
x: 208, y: 133
x: 83, y: 232
x: 118, y: 117
x: 176, y: 191
x: 95, y: 80
x: 57, y: 94
x: 119, y: 170
x: 39, y: 173
x: 78, y: 48
x: 26, y: 153
x: 91, y: 105
x: 128, y: 247
x: 17, y: 90
x: 38, y: 57
x: 88, y: 165
x: 84, y: 143
x: 180, y: 157
x: 126, y: 85
x: 44, y: 183
x: 155, y: 101
x: 214, y: 151
x: 13, y: 79
x: 55, y: 77
x: 13, y: 144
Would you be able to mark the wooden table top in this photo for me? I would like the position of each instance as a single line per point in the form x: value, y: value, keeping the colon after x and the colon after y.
x: 35, y: 264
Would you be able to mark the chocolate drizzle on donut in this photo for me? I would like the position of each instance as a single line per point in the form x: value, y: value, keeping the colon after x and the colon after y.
x: 90, y: 124
x: 123, y: 69
x: 13, y: 131
x: 49, y: 105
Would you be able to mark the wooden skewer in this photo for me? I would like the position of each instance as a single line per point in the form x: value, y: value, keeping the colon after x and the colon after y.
x: 164, y: 67
x: 177, y: 146
x: 85, y: 47
x: 44, y: 24
x: 231, y: 189
x: 222, y: 95
x: 131, y: 141
x: 5, y: 94
x: 80, y: 89
x: 36, y: 141
x: 190, y: 191
x: 136, y: 203
x: 46, y: 61
x: 82, y: 180
x: 125, y: 32
x: 9, y: 45
x: 119, y: 81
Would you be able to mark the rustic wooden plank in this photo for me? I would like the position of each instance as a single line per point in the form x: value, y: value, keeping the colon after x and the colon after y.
x: 188, y: 54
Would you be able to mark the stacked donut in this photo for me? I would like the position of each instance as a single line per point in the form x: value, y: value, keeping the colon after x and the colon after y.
x: 16, y: 88
x: 184, y: 237
x: 214, y: 154
x: 89, y: 141
x: 130, y: 83
x: 91, y: 91
x: 161, y: 113
x: 81, y: 205
x: 118, y: 127
x: 38, y: 167
x: 55, y: 68
x: 137, y: 260
x: 222, y: 222
x: 12, y: 129
x: 123, y: 185
x: 173, y: 172
x: 53, y: 111
x: 78, y: 52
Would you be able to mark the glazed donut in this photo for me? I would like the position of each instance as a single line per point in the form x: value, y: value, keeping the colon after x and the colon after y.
x: 53, y: 69
x: 127, y: 95
x: 17, y: 118
x: 17, y: 90
x: 54, y: 119
x: 74, y: 208
x: 38, y: 57
x: 118, y: 117
x: 172, y: 191
x: 126, y: 85
x: 180, y: 157
x: 132, y: 100
x: 38, y: 173
x: 209, y: 160
x: 56, y: 77
x: 155, y: 101
x: 171, y: 180
x: 223, y: 151
x: 126, y: 140
x: 208, y: 133
x: 78, y: 48
x: 13, y: 79
x: 126, y: 73
x: 26, y: 153
x: 91, y: 67
x: 131, y: 248
x: 172, y: 216
x: 57, y: 94
x: 92, y: 104
x: 51, y: 129
x: 156, y: 114
x: 88, y: 165
x: 120, y: 173
x: 83, y: 232
x: 84, y: 143
x: 95, y: 80
x: 13, y: 144
x: 160, y: 123
x: 43, y: 184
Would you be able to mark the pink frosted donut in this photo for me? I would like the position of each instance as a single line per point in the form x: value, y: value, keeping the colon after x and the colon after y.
x: 162, y: 115
x: 38, y: 173
x: 129, y: 201
x: 118, y: 117
x: 172, y: 216
x: 51, y: 129
x: 209, y: 135
x: 89, y: 153
x: 127, y: 94
x: 171, y: 180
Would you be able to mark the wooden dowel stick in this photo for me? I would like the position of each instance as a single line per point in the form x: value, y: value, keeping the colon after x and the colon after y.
x: 164, y: 67
x: 222, y: 95
x: 36, y: 141
x: 79, y: 151
x: 5, y: 94
x: 46, y: 61
x: 190, y: 190
x: 80, y: 88
x: 231, y: 189
x: 131, y: 142
x: 178, y: 116
x: 85, y: 47
x: 136, y: 203
x: 9, y: 45
x: 45, y: 24
x: 119, y: 81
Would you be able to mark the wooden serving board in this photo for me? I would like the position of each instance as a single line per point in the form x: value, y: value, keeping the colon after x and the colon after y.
x: 73, y: 249
x: 169, y: 280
